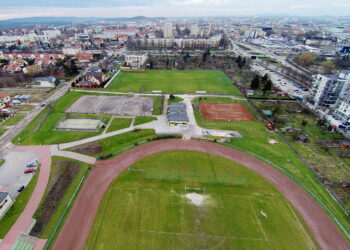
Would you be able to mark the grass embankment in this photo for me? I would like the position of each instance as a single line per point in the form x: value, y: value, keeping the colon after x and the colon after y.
x: 149, y: 209
x: 17, y: 208
x: 65, y: 177
x: 174, y: 81
x: 115, y: 143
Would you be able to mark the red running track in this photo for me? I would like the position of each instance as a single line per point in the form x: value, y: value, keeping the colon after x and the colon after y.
x: 76, y: 229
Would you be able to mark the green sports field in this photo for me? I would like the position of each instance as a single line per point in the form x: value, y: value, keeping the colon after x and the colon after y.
x: 150, y: 209
x: 174, y: 81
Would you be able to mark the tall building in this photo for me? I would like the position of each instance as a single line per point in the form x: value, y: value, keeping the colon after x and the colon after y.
x: 194, y: 30
x: 168, y: 30
x: 342, y: 111
x: 327, y: 89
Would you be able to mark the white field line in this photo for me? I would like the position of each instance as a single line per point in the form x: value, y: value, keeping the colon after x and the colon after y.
x: 258, y: 221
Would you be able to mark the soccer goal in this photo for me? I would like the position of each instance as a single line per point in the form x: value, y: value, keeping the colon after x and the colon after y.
x: 189, y: 189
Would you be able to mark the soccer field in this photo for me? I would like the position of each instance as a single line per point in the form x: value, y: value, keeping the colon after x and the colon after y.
x: 174, y: 81
x: 150, y: 208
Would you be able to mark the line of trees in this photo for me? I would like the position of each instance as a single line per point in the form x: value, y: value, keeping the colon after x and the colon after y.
x: 264, y: 83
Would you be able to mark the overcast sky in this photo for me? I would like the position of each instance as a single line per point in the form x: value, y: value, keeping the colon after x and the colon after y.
x: 169, y: 8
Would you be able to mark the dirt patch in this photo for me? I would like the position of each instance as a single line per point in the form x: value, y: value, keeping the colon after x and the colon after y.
x: 232, y: 112
x: 92, y: 148
x: 53, y: 198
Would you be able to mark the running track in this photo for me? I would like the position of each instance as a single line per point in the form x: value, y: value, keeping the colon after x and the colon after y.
x: 76, y: 229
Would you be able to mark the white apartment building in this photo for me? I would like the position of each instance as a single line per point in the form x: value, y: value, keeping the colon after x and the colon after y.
x: 182, y: 43
x: 168, y: 30
x: 136, y: 61
x: 342, y: 110
x: 327, y: 89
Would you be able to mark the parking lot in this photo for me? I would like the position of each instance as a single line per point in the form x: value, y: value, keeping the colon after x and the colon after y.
x: 112, y: 105
x: 12, y: 171
x: 292, y: 88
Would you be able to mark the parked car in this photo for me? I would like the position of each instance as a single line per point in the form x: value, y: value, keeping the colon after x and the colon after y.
x: 33, y: 164
x: 20, y: 189
x: 29, y: 170
x: 42, y: 105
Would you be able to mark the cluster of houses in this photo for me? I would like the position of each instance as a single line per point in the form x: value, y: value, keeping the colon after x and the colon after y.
x: 29, y: 63
x: 94, y: 78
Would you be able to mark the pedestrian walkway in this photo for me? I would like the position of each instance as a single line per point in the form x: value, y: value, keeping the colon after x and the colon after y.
x: 80, y: 157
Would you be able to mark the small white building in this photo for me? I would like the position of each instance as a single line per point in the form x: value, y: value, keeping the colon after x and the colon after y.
x: 71, y: 51
x: 5, y: 203
x: 136, y: 61
x: 45, y: 82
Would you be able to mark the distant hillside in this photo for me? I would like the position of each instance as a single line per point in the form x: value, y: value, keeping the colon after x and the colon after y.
x: 33, y: 21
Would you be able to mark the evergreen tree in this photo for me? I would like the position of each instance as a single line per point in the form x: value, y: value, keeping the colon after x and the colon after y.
x: 265, y: 78
x: 255, y: 84
x: 239, y: 59
x: 267, y: 86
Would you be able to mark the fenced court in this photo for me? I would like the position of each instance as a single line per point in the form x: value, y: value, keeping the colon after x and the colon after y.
x: 79, y: 124
x: 233, y: 112
x: 112, y: 105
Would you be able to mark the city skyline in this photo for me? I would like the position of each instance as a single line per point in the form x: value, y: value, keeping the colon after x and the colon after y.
x: 171, y: 8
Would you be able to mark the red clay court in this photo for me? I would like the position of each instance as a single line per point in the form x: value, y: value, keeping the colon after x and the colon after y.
x: 233, y: 112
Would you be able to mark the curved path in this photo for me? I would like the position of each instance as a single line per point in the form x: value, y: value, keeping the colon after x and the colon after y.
x: 76, y: 229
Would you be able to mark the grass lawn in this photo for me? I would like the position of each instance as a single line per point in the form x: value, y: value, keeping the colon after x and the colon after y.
x: 65, y: 177
x: 144, y: 119
x: 256, y: 140
x: 13, y: 120
x: 175, y: 100
x: 41, y: 129
x: 119, y: 123
x: 241, y: 210
x: 17, y: 208
x: 115, y: 143
x: 28, y: 108
x: 158, y: 105
x: 174, y: 81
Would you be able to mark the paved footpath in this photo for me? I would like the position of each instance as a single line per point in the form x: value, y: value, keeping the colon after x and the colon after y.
x: 24, y: 221
x: 72, y: 155
x: 85, y: 208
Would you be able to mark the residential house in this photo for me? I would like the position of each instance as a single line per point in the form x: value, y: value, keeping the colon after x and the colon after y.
x: 91, y: 80
x: 32, y: 69
x: 85, y: 58
x: 4, y: 100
